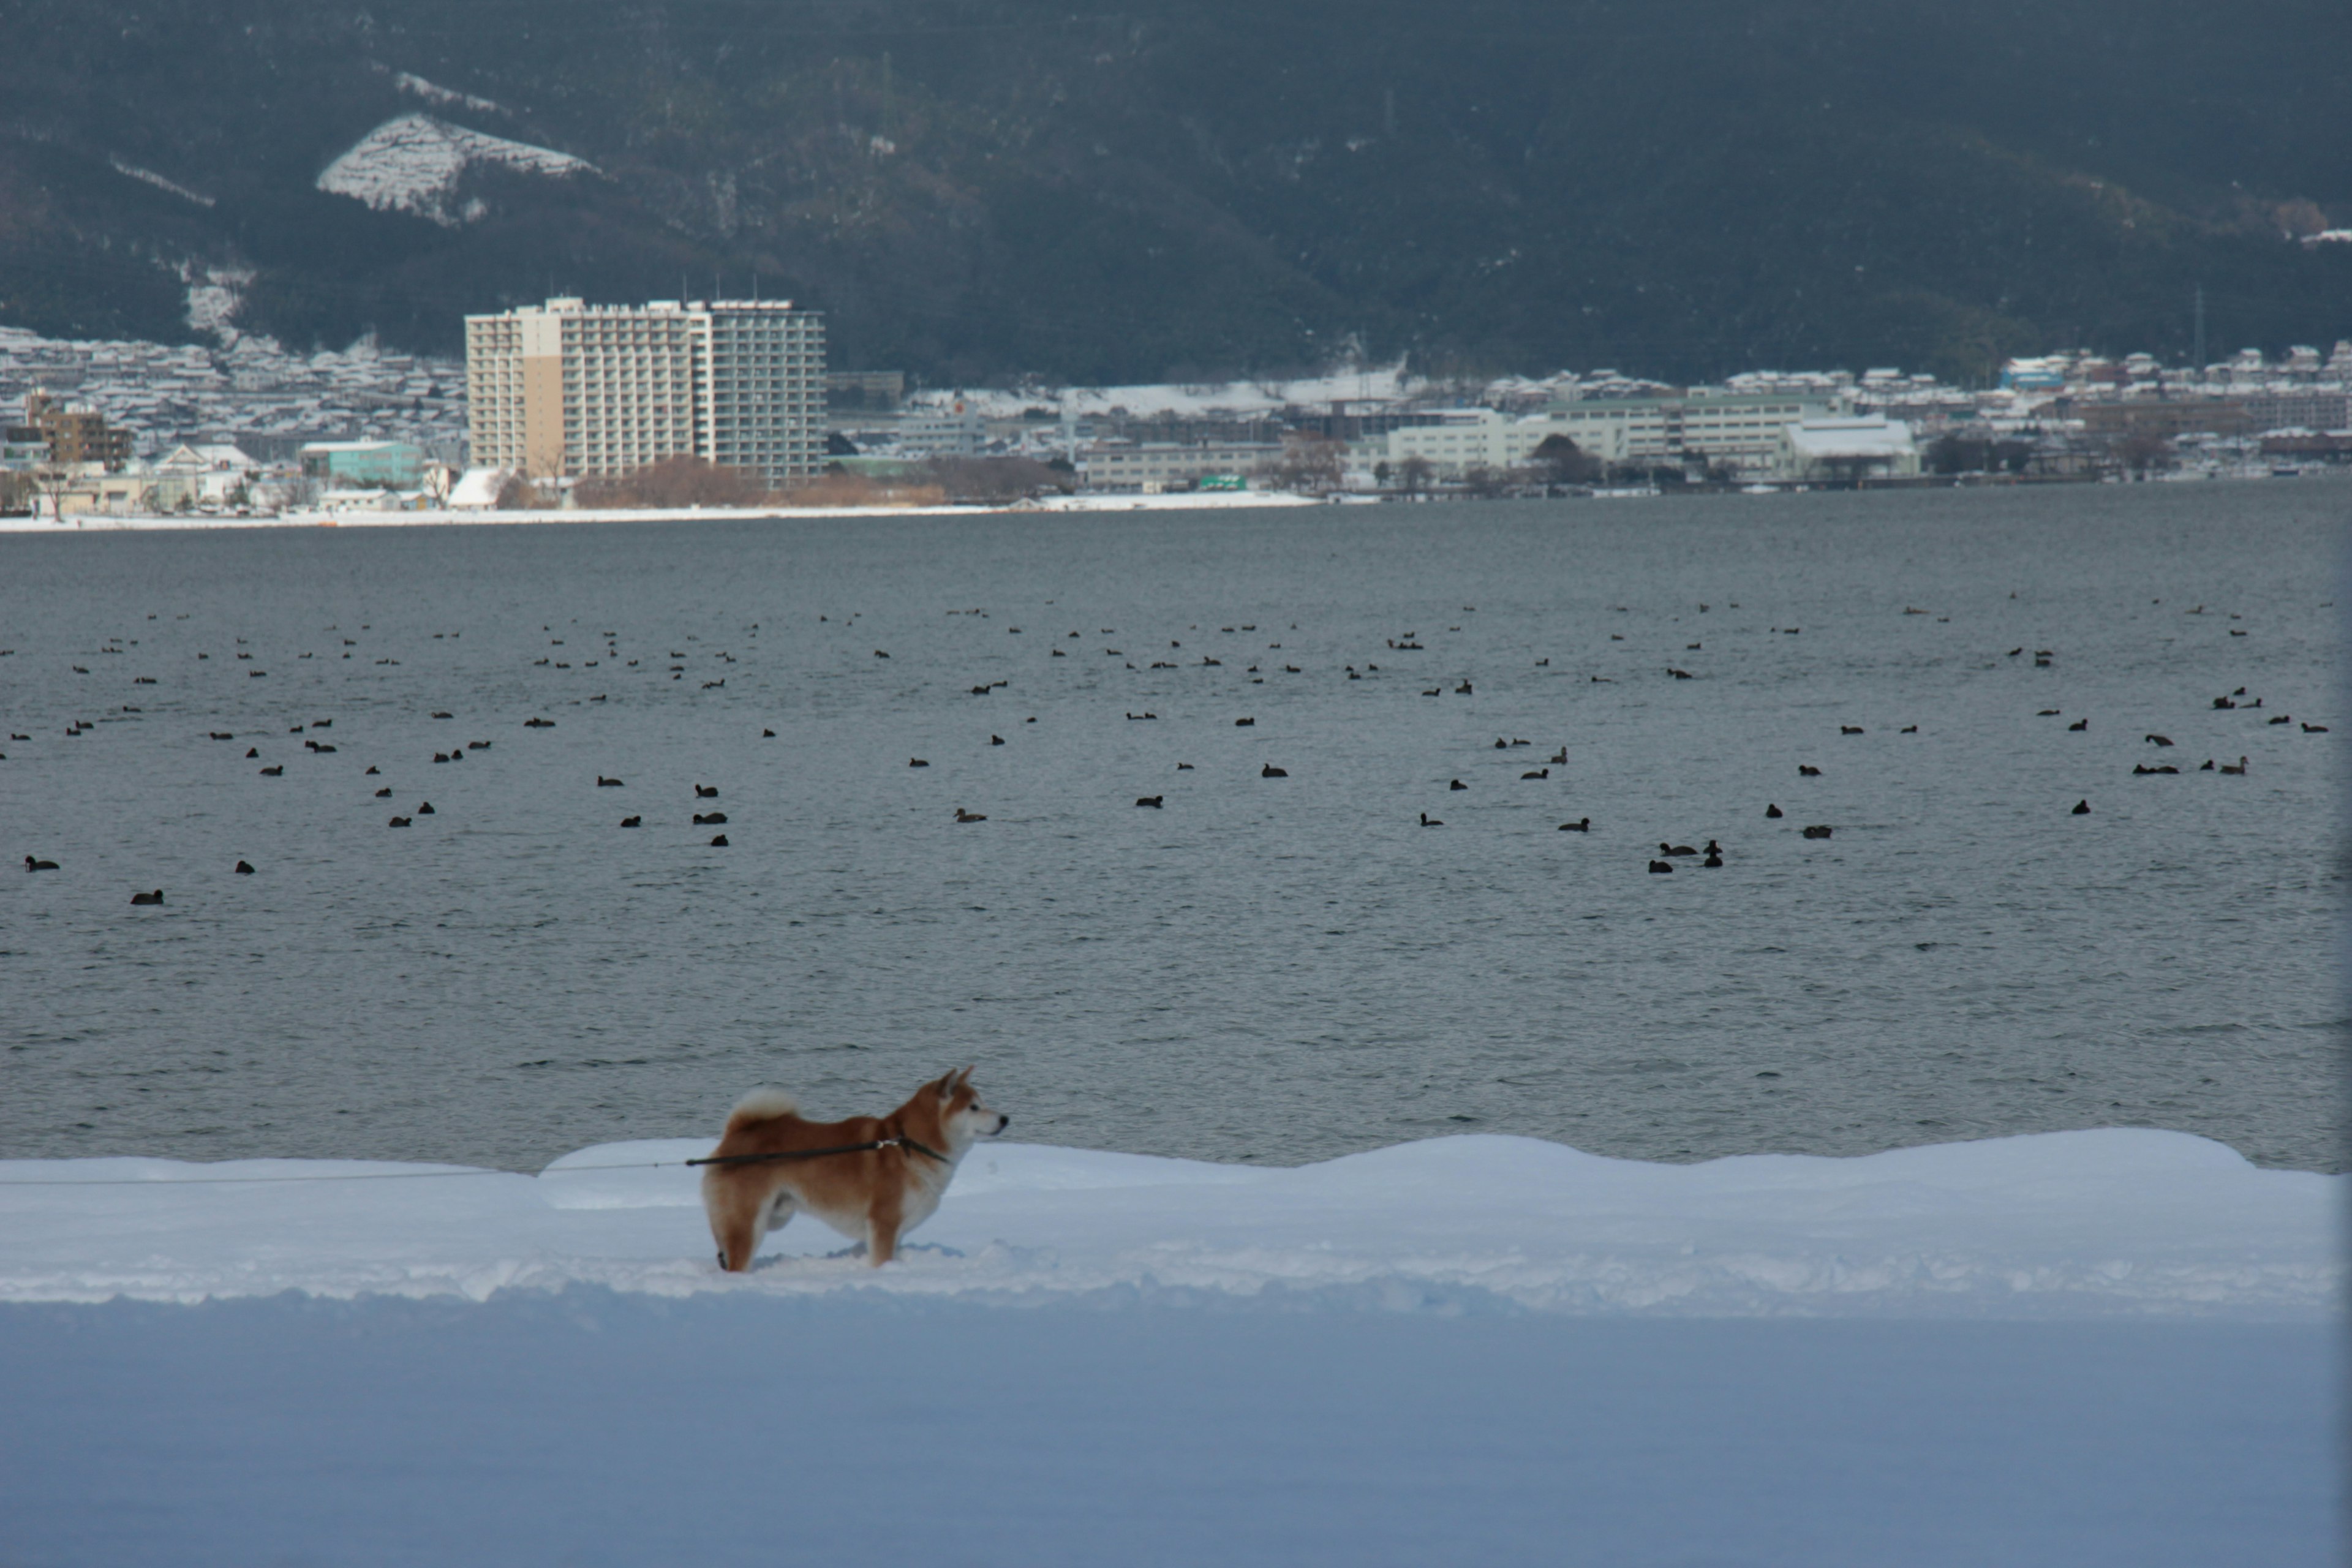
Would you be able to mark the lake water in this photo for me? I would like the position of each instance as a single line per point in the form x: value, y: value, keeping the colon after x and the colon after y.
x: 1271, y: 969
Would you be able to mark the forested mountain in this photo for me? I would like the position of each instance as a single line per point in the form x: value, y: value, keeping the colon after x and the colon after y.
x: 1176, y: 188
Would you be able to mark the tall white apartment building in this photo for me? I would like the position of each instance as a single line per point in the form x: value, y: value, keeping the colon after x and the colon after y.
x: 573, y: 389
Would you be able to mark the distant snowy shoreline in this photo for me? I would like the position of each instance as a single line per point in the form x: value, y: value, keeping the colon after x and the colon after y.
x: 1211, y: 501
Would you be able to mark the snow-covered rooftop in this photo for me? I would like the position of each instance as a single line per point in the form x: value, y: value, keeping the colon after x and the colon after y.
x: 1858, y: 437
x: 1383, y: 386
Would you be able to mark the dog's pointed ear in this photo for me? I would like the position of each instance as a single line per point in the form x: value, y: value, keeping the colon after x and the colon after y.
x: 947, y: 1085
x: 963, y: 1077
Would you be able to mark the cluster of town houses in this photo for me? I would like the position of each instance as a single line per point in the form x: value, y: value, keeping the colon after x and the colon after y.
x: 2062, y: 416
x: 248, y: 427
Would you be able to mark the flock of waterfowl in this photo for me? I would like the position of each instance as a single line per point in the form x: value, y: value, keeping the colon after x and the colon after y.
x: 1712, y: 857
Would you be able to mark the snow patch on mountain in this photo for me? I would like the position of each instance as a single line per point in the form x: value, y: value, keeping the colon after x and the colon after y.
x: 214, y: 295
x: 432, y: 92
x: 413, y: 163
x: 149, y: 176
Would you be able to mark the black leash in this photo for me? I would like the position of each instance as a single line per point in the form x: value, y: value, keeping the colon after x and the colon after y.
x: 902, y: 1142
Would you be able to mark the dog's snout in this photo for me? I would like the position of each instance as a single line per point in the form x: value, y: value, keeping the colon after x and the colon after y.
x: 1003, y: 1121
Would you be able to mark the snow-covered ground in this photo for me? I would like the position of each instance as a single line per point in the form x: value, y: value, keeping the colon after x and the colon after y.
x: 2086, y: 1348
x: 2120, y: 1223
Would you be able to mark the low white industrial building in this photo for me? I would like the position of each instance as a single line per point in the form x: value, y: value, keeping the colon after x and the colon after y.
x: 1746, y: 431
x: 1453, y: 442
x: 1152, y: 466
x: 1855, y: 447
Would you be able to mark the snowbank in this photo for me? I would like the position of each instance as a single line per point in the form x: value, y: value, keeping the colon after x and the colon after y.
x: 2105, y: 1223
x: 1553, y: 1368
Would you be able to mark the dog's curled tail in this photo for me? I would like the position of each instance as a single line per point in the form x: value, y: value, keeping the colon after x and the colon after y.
x: 764, y: 1103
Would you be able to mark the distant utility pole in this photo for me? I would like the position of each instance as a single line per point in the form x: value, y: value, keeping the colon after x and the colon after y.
x: 2199, y: 362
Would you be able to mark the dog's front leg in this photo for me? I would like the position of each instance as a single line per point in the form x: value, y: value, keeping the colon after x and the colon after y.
x: 734, y: 1215
x: 737, y: 1240
x: 882, y: 1234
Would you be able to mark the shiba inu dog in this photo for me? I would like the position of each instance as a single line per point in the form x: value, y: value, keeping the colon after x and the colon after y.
x: 872, y: 1178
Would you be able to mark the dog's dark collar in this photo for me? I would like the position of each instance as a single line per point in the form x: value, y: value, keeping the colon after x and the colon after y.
x: 902, y: 1142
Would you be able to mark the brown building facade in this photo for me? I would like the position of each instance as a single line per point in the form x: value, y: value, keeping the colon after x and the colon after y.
x: 77, y: 434
x: 2164, y: 417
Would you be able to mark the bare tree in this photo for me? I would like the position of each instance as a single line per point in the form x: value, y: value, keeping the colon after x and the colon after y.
x: 517, y: 493
x: 675, y: 482
x: 836, y: 487
x: 54, y: 481
x: 2141, y: 452
x: 1417, y: 474
x: 1698, y: 469
x: 992, y: 481
x: 1310, y: 463
x: 1564, y: 462
x: 1954, y: 453
x: 1483, y: 482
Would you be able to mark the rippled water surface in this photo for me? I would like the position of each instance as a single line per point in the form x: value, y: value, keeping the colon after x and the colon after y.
x: 1278, y: 969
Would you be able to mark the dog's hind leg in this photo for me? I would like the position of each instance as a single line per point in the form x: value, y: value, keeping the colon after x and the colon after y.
x: 781, y: 1209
